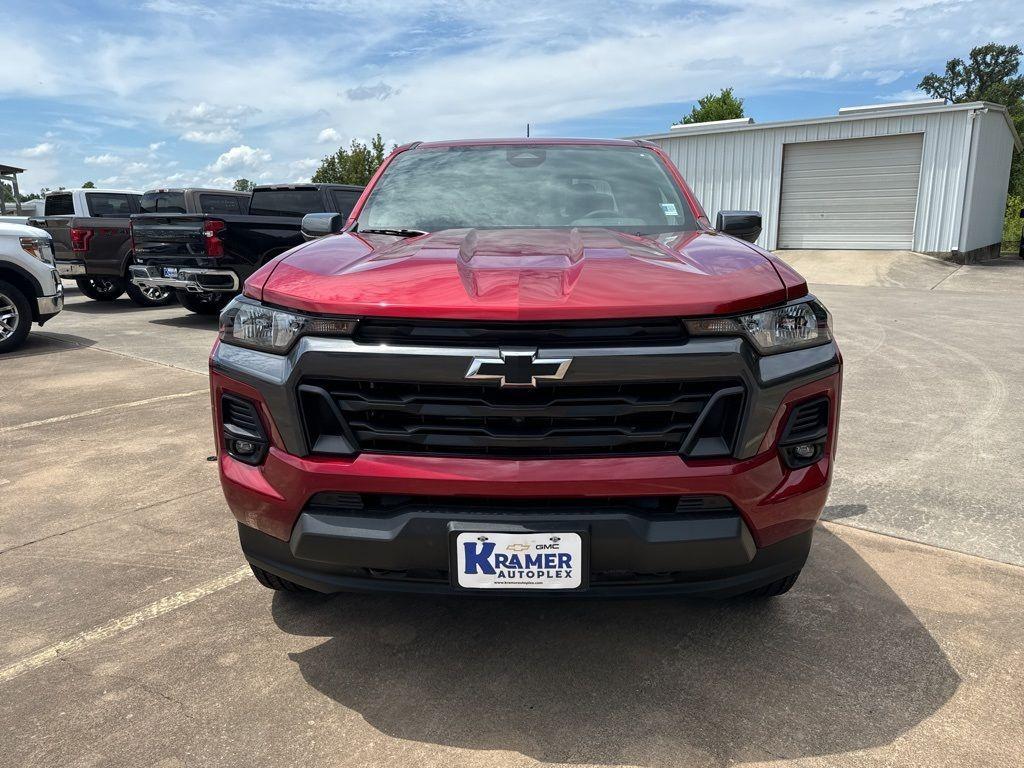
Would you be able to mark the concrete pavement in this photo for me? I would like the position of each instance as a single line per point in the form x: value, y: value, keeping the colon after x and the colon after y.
x: 134, y: 636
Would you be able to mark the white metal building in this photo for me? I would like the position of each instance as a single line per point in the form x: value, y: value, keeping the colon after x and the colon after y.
x: 923, y: 176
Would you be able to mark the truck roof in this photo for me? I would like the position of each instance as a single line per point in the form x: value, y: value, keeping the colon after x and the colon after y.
x: 94, y: 189
x: 306, y: 186
x: 197, y: 189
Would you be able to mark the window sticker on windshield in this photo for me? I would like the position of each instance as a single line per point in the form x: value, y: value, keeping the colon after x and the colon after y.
x: 669, y: 209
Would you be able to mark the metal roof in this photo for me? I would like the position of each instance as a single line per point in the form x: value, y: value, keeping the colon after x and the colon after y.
x: 10, y: 169
x: 868, y: 113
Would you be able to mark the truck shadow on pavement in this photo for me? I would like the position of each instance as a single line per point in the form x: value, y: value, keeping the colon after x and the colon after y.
x: 116, y: 307
x: 189, y: 320
x: 48, y: 342
x: 839, y: 664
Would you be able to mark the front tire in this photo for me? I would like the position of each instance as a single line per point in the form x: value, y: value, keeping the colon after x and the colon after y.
x: 275, y: 582
x: 149, y: 296
x: 203, y: 303
x: 15, y: 317
x: 101, y: 288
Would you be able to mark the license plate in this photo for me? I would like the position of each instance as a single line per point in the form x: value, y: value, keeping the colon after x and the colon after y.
x: 64, y: 269
x: 519, y: 560
x: 171, y: 272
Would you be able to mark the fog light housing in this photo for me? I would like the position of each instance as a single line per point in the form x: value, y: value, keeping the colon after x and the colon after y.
x: 245, y: 447
x: 242, y: 430
x: 803, y: 454
x: 806, y: 434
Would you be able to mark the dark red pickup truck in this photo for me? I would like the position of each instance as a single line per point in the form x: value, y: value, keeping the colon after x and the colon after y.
x: 527, y: 366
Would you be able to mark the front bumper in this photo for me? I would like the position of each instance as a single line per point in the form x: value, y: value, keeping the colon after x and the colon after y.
x: 49, y: 306
x: 766, y: 538
x: 193, y: 280
x: 702, y: 567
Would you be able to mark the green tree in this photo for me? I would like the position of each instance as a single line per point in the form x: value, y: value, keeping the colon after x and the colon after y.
x: 355, y: 165
x: 88, y: 185
x: 989, y: 74
x: 8, y: 194
x: 721, y: 106
x: 242, y: 185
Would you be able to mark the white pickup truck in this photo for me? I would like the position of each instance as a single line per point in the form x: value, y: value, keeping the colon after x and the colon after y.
x: 30, y: 288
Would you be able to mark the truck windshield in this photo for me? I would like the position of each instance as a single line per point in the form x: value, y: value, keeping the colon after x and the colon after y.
x: 527, y: 186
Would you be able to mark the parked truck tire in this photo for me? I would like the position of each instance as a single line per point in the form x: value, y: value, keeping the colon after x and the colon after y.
x: 203, y: 303
x: 15, y: 317
x: 101, y: 288
x: 150, y: 296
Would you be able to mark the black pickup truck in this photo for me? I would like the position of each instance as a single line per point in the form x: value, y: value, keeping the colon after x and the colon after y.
x: 92, y: 241
x: 206, y: 258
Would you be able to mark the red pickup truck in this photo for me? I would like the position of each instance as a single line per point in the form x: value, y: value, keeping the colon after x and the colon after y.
x: 527, y: 366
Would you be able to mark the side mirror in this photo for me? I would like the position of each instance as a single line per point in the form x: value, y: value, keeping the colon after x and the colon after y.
x: 316, y: 225
x: 746, y: 225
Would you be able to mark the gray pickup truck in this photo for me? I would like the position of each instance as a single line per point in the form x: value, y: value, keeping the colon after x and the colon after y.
x: 92, y: 235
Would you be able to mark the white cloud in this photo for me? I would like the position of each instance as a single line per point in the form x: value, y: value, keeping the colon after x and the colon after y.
x: 136, y: 167
x: 39, y: 150
x: 305, y: 164
x: 104, y: 159
x: 206, y: 123
x: 156, y: 145
x: 381, y: 92
x: 908, y: 94
x: 239, y: 158
x: 492, y: 68
x: 217, y: 136
x: 205, y: 113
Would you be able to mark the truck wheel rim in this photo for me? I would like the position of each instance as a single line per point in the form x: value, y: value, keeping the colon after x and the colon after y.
x: 9, y: 317
x: 155, y: 293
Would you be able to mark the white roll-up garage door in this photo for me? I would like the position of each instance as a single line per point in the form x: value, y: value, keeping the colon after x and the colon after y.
x: 850, y: 193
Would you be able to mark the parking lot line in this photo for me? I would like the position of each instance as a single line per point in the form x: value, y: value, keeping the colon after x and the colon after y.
x: 120, y: 625
x: 104, y: 409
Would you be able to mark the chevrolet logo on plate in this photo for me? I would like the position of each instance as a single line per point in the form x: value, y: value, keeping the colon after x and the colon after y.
x: 518, y: 368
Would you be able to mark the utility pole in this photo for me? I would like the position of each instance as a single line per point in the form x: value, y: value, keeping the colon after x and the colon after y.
x: 527, y: 130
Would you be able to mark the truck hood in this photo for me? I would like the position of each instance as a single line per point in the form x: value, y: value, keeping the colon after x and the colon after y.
x: 526, y: 274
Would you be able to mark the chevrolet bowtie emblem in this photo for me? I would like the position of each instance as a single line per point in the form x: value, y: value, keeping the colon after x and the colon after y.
x: 518, y: 368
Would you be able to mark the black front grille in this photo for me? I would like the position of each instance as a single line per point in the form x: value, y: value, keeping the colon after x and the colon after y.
x: 554, y: 419
x: 376, y: 330
x: 389, y: 504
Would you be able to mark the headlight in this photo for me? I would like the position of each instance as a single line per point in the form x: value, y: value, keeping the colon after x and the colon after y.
x: 37, y: 248
x: 248, y: 323
x: 794, y: 326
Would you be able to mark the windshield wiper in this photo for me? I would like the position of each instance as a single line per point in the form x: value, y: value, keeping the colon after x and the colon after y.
x: 398, y: 232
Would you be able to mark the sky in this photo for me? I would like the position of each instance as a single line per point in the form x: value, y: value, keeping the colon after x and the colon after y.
x: 176, y: 93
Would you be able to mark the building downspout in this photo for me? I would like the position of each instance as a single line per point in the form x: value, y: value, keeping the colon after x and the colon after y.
x: 961, y: 254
